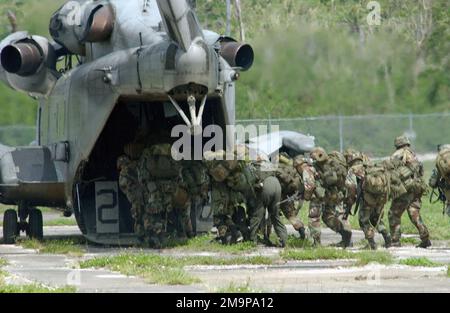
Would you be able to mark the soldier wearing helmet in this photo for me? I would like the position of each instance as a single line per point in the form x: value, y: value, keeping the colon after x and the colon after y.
x: 412, y: 200
x: 332, y: 172
x: 313, y: 193
x: 440, y: 179
x: 225, y: 202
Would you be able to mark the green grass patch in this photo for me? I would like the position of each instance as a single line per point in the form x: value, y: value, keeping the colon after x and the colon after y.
x: 448, y: 271
x: 422, y: 262
x: 380, y: 257
x: 67, y: 246
x: 409, y: 241
x: 3, y: 262
x: 238, y: 288
x: 320, y: 253
x: 35, y: 288
x: 207, y: 243
x: 362, y: 258
x: 165, y: 270
x: 61, y: 222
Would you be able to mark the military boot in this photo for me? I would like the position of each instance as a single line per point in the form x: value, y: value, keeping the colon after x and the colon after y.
x: 302, y: 233
x: 346, y: 239
x: 317, y: 243
x: 387, y: 239
x: 372, y: 244
x: 424, y: 244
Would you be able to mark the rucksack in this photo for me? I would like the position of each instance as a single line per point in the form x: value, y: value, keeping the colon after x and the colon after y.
x: 334, y: 173
x: 160, y: 164
x: 289, y: 179
x: 443, y: 164
x: 376, y: 181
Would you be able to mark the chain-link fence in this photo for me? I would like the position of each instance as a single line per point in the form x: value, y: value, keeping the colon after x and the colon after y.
x: 373, y: 134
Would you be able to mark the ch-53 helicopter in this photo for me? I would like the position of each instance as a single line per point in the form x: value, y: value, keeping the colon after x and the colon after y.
x: 127, y: 66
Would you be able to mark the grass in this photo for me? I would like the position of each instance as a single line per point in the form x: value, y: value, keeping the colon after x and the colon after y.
x: 206, y: 243
x: 165, y: 270
x: 409, y: 241
x: 236, y: 288
x: 67, y: 246
x: 61, y: 222
x: 422, y: 262
x: 362, y: 258
x: 448, y: 271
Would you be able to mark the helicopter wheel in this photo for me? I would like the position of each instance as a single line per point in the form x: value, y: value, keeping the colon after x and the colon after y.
x: 10, y: 227
x: 35, y: 224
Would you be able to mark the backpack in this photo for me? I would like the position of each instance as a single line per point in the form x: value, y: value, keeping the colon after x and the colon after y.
x: 443, y: 164
x: 334, y: 173
x: 376, y: 181
x: 160, y: 163
x: 289, y: 179
x: 409, y: 176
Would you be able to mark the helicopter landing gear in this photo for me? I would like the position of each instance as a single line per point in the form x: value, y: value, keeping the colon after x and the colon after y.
x: 34, y: 228
x: 10, y: 227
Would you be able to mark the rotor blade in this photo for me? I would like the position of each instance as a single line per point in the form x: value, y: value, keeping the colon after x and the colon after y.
x: 180, y: 22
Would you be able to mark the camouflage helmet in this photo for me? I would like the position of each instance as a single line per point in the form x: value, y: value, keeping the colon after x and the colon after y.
x: 133, y: 150
x: 401, y: 142
x: 220, y: 164
x: 122, y: 161
x: 351, y: 155
x: 443, y: 147
x: 319, y: 155
x: 161, y: 149
x: 299, y: 161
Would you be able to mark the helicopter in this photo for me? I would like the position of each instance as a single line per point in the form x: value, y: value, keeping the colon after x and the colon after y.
x: 111, y: 69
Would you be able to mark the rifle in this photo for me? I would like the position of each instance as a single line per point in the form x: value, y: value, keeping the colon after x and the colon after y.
x: 440, y: 197
x: 359, y: 199
x: 290, y: 199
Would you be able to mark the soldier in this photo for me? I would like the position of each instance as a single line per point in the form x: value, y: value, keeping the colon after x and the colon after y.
x: 411, y: 170
x: 224, y: 200
x: 441, y: 175
x: 196, y: 182
x: 312, y: 192
x: 129, y: 184
x: 332, y: 172
x: 260, y: 193
x: 368, y: 187
x: 160, y: 175
x: 291, y: 192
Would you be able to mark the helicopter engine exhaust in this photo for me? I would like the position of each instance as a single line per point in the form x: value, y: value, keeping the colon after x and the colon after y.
x: 237, y: 54
x: 23, y: 59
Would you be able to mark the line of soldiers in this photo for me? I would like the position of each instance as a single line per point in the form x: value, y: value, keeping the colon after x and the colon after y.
x: 247, y: 198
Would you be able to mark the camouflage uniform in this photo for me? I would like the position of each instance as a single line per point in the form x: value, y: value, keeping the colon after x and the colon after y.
x: 438, y: 179
x: 410, y: 202
x: 291, y: 184
x: 196, y: 183
x: 226, y: 202
x: 371, y: 210
x: 312, y: 192
x: 160, y: 176
x: 335, y: 193
x: 129, y: 184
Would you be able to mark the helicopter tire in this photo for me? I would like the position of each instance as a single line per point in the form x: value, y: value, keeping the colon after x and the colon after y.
x: 35, y: 224
x: 10, y: 227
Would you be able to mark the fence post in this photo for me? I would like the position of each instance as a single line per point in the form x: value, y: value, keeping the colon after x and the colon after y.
x: 341, y: 133
x: 228, y: 30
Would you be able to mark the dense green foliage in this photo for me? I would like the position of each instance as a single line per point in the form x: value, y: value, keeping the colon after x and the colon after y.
x: 313, y: 57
